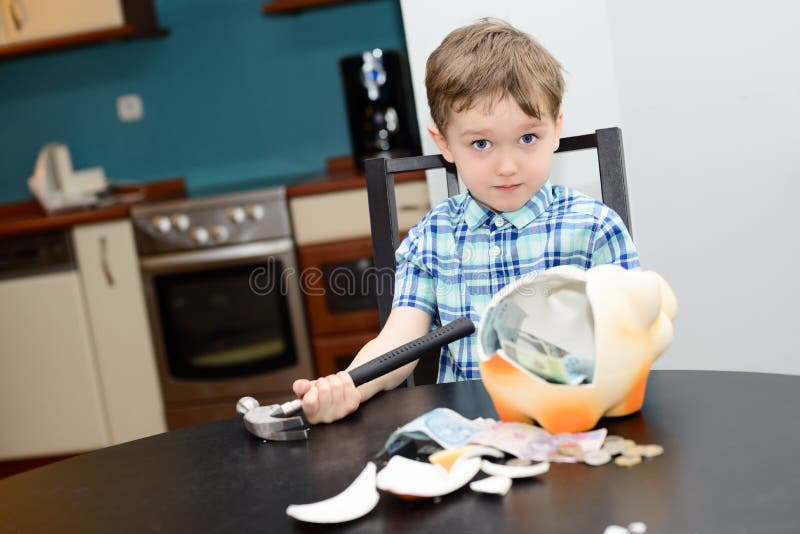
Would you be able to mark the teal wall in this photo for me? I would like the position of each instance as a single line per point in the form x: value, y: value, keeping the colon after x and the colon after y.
x: 230, y: 96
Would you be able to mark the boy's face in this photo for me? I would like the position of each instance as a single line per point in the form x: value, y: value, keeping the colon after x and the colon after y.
x: 503, y: 156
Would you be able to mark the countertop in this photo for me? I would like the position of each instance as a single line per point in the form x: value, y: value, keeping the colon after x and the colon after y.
x: 340, y: 175
x: 29, y: 217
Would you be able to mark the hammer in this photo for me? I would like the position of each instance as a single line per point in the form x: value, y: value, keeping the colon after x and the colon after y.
x: 279, y: 422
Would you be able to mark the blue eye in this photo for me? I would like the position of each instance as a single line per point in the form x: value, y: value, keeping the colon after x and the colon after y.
x: 527, y: 139
x: 481, y: 144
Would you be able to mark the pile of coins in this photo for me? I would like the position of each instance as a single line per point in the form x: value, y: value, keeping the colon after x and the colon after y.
x: 628, y: 453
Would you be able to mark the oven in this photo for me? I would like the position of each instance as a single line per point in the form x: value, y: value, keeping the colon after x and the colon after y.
x: 224, y: 301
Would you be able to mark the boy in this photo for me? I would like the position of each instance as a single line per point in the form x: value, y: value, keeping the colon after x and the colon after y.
x: 495, y: 99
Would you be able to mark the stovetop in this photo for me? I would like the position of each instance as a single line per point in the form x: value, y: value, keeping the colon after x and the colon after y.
x: 211, y: 221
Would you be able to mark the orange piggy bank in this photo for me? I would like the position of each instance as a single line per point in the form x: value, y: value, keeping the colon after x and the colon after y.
x: 620, y: 321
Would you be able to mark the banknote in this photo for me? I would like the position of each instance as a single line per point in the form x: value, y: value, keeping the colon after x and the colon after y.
x: 446, y: 427
x: 535, y: 443
x: 547, y: 360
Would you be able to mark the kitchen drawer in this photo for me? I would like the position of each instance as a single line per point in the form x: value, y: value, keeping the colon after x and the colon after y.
x: 334, y: 353
x: 345, y: 214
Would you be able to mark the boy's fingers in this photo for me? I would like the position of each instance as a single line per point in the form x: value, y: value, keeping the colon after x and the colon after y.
x: 324, y: 390
x: 311, y: 403
x: 337, y: 399
x: 301, y: 387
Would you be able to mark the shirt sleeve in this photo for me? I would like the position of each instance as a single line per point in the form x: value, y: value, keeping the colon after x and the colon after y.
x: 413, y: 281
x: 611, y: 242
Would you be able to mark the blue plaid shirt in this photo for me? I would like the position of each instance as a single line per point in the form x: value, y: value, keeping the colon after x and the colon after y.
x: 460, y: 254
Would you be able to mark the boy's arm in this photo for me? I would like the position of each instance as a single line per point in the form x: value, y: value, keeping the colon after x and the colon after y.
x: 333, y: 397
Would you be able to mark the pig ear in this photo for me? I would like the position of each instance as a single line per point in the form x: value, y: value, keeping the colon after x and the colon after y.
x: 643, y: 290
x: 669, y: 303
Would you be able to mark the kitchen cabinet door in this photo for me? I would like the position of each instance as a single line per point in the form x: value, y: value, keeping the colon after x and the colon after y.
x: 50, y: 400
x: 109, y: 269
x: 341, y: 215
x: 334, y: 353
x: 30, y: 20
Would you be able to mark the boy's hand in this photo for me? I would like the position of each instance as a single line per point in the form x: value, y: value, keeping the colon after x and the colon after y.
x: 328, y: 399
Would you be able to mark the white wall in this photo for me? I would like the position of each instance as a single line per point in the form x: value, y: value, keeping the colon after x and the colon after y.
x: 708, y: 97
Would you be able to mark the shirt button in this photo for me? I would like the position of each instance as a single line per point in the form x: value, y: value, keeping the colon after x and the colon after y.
x: 494, y: 251
x: 499, y: 222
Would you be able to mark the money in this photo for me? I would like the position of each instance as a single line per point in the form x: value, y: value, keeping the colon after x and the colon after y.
x: 446, y: 427
x: 535, y: 443
x: 505, y: 334
x: 596, y: 458
x: 651, y: 451
x: 628, y: 453
x: 518, y: 462
x: 628, y: 460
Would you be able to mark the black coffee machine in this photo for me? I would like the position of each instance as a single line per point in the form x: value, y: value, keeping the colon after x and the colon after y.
x: 380, y: 105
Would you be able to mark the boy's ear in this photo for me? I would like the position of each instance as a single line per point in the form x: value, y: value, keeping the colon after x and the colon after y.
x: 557, y: 131
x: 441, y: 142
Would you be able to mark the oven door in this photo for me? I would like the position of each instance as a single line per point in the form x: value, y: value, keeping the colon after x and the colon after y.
x: 227, y: 321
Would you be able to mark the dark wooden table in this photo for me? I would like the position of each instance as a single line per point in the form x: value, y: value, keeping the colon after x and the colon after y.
x: 731, y: 465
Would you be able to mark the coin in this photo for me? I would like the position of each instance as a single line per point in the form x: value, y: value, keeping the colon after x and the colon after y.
x: 595, y: 458
x: 520, y: 462
x: 628, y: 460
x: 629, y: 443
x: 636, y: 450
x: 651, y: 451
x: 570, y: 449
x: 613, y: 439
x: 614, y: 448
x: 637, y: 528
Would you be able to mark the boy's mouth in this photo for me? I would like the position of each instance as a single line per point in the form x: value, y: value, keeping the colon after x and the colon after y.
x: 507, y: 188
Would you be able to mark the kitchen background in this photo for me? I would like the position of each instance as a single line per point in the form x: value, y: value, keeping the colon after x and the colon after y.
x: 231, y: 95
x: 707, y: 97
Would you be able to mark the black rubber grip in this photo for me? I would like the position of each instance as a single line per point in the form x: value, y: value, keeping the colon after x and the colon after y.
x: 409, y: 352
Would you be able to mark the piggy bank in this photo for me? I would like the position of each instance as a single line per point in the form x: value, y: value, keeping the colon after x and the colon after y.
x: 618, y: 320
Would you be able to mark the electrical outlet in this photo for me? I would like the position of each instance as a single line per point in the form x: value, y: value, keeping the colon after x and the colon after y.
x: 130, y: 108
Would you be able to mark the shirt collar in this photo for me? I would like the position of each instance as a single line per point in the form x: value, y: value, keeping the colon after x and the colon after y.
x: 475, y: 215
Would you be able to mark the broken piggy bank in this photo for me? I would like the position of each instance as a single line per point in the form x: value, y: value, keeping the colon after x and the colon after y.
x: 566, y: 347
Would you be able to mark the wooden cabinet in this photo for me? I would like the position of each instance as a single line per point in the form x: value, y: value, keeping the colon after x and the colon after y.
x: 30, y: 20
x: 31, y: 26
x: 109, y: 271
x: 77, y: 370
x: 339, y: 282
x: 340, y: 215
x: 334, y: 353
x: 50, y: 399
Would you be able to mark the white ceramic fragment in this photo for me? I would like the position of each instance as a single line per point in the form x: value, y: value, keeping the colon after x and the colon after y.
x: 494, y: 485
x: 514, y: 471
x: 409, y: 478
x: 356, y: 501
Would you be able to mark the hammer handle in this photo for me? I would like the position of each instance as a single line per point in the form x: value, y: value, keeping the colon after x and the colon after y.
x: 409, y: 352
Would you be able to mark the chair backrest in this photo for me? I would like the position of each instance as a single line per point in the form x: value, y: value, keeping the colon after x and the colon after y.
x: 383, y: 211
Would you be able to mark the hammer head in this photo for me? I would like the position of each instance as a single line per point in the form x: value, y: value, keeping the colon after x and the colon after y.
x: 274, y: 422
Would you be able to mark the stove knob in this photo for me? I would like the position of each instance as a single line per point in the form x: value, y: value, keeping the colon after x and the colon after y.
x: 236, y: 215
x: 200, y: 235
x: 255, y: 211
x: 180, y: 221
x: 162, y: 224
x: 220, y: 233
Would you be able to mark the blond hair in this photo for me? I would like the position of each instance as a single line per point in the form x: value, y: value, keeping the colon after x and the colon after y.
x: 491, y: 58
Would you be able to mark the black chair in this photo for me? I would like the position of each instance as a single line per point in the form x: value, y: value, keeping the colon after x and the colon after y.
x: 383, y: 211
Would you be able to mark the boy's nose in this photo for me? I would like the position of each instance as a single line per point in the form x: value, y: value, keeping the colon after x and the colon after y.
x: 506, y: 166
